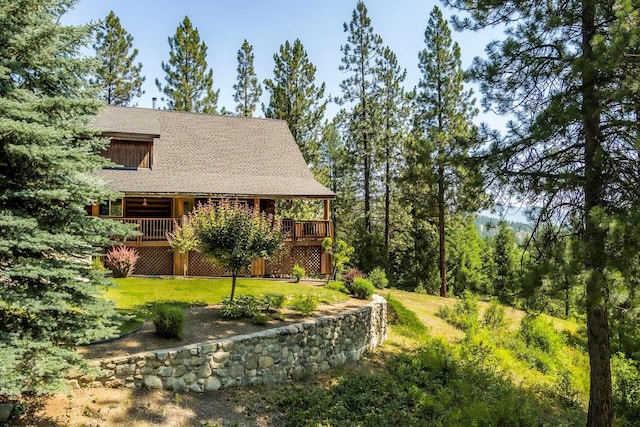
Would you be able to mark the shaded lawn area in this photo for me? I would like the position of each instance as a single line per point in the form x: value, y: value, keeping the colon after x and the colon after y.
x: 134, y: 292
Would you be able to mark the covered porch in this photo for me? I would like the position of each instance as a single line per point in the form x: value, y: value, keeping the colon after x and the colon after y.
x: 155, y: 216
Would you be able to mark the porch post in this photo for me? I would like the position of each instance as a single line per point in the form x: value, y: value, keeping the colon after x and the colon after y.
x: 179, y: 260
x: 327, y: 210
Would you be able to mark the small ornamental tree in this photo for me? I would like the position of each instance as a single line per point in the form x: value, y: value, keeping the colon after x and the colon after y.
x: 183, y: 240
x: 233, y: 235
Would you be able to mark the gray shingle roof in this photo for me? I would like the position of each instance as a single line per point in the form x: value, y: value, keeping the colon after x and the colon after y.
x: 203, y: 154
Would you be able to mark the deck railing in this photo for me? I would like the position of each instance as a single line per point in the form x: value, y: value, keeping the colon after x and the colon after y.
x: 156, y: 229
x: 151, y: 229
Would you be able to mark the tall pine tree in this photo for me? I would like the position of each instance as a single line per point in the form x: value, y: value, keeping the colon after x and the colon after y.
x: 444, y: 122
x: 50, y: 297
x: 247, y: 87
x: 567, y: 71
x: 394, y: 110
x: 359, y: 91
x: 118, y: 75
x: 296, y: 98
x: 188, y: 84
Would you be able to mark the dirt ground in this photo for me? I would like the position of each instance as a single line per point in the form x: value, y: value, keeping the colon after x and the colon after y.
x: 103, y: 407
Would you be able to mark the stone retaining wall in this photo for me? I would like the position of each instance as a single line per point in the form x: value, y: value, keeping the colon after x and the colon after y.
x: 267, y: 357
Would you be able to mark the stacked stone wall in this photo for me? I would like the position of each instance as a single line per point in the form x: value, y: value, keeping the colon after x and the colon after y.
x: 267, y: 357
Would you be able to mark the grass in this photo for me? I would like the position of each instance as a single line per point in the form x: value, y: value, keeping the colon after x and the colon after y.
x: 134, y: 292
x: 433, y: 374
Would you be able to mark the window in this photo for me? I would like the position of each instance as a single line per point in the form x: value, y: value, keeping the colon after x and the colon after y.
x: 111, y: 208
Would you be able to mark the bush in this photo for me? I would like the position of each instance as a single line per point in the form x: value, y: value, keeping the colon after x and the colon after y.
x: 350, y: 276
x: 495, y: 316
x: 378, y: 278
x: 304, y: 304
x: 168, y: 320
x: 259, y: 319
x: 362, y: 288
x: 337, y: 286
x: 241, y: 306
x: 273, y: 302
x: 626, y: 388
x: 121, y: 260
x: 96, y: 264
x: 298, y: 272
x: 540, y: 333
x: 464, y: 314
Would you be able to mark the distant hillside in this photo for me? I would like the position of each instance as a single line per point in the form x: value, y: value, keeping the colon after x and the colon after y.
x: 488, y: 226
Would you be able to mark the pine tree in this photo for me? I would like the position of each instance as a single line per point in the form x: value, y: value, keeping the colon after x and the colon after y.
x: 505, y: 260
x: 189, y: 86
x: 394, y: 109
x: 118, y: 75
x: 248, y: 89
x: 50, y: 298
x: 444, y: 121
x: 295, y: 98
x: 360, y: 52
x: 567, y: 71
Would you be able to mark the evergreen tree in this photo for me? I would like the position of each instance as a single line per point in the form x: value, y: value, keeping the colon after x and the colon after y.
x: 50, y: 298
x: 118, y: 75
x: 359, y: 89
x: 394, y: 110
x: 567, y: 71
x: 189, y: 86
x: 247, y: 87
x: 465, y: 262
x: 295, y: 98
x: 445, y: 111
x: 505, y: 260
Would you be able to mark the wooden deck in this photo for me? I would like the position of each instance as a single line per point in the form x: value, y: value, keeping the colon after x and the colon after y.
x: 154, y: 231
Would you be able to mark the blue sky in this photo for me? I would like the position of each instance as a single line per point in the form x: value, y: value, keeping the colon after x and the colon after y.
x: 223, y: 25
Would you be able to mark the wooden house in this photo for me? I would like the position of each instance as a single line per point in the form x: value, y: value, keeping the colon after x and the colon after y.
x: 169, y: 161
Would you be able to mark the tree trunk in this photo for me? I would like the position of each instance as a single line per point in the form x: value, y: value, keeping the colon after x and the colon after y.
x: 234, y: 274
x: 600, y: 394
x: 387, y: 196
x: 442, y: 259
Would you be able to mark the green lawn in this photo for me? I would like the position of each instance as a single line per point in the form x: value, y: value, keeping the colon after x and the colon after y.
x: 139, y: 291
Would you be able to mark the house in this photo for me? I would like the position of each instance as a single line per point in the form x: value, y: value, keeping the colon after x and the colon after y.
x: 169, y: 161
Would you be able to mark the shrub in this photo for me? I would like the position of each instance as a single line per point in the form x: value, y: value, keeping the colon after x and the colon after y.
x: 337, y: 286
x: 495, y: 316
x: 350, y: 276
x: 272, y: 302
x: 168, y: 320
x: 626, y: 388
x: 304, y: 304
x: 241, y: 306
x: 121, y: 260
x: 464, y: 314
x: 362, y: 288
x: 298, y: 272
x: 96, y: 264
x: 259, y: 319
x: 540, y: 333
x: 378, y: 278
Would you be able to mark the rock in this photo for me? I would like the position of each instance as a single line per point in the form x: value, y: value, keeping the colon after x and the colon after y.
x: 5, y: 411
x: 176, y: 384
x: 265, y: 362
x: 152, y: 382
x: 212, y: 384
x: 205, y: 371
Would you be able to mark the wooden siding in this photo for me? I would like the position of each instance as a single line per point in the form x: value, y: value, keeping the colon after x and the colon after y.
x: 155, y: 207
x: 130, y: 154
